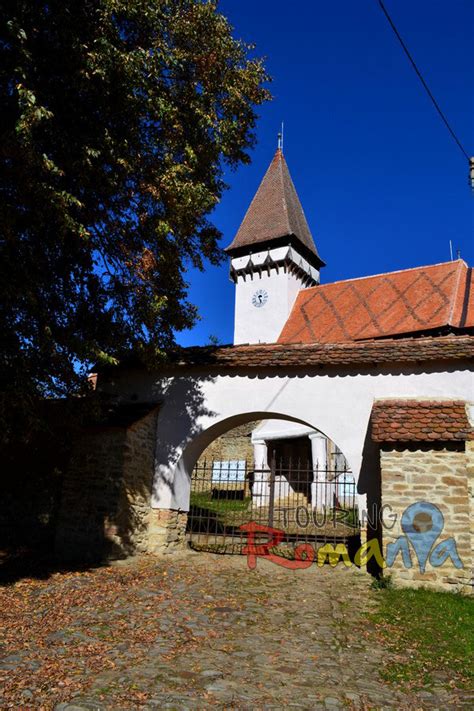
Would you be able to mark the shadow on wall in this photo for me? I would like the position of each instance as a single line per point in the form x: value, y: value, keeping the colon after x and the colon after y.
x: 103, y: 508
x: 91, y: 502
x: 106, y: 490
x: 184, y: 407
x: 370, y: 484
x: 104, y: 511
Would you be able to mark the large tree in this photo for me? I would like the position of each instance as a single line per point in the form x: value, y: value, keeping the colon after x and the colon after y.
x: 117, y: 120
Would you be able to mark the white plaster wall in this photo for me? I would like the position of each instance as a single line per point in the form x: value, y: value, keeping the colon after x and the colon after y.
x: 197, y: 408
x: 264, y: 324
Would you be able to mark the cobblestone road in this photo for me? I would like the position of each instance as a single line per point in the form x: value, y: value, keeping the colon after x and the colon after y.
x: 222, y: 636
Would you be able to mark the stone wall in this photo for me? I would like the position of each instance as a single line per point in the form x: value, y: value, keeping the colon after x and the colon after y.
x: 167, y: 530
x: 106, y: 496
x: 441, y: 475
x: 86, y: 527
x: 470, y: 484
x: 133, y: 514
x: 234, y: 444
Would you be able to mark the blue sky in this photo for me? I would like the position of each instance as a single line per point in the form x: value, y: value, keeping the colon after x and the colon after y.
x: 382, y: 183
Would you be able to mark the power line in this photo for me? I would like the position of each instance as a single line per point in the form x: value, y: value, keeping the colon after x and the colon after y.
x: 425, y: 85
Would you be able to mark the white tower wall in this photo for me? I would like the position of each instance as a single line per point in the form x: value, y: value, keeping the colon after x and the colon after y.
x: 266, y: 285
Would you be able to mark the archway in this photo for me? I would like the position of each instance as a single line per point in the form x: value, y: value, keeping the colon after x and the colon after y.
x: 311, y: 499
x: 174, y: 464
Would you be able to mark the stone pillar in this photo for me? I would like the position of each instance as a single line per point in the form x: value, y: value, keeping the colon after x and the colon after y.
x: 167, y: 530
x: 320, y: 496
x: 261, y: 486
x: 439, y: 476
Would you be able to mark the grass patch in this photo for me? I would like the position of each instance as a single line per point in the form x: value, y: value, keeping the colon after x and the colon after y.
x: 382, y: 583
x: 223, y: 516
x: 204, y: 500
x: 430, y: 635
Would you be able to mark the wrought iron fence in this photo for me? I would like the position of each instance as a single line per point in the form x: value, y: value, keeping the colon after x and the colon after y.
x: 308, y: 504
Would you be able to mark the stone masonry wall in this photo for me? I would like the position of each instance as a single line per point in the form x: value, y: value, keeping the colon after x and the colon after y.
x: 234, y: 444
x: 166, y: 530
x: 470, y: 484
x: 133, y: 513
x: 105, y: 504
x: 441, y: 477
x: 86, y: 528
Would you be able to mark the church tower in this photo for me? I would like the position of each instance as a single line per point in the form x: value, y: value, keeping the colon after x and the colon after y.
x: 273, y: 256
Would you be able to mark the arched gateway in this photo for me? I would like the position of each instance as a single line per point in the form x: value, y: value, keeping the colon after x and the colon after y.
x: 380, y: 365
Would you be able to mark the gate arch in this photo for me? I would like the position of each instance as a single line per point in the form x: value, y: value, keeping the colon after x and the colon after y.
x: 171, y: 487
x: 311, y: 501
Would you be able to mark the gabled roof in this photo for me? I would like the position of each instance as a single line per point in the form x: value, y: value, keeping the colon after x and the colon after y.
x: 412, y: 301
x: 275, y: 213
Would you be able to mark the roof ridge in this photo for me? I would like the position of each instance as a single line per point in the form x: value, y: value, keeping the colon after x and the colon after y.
x: 279, y: 153
x: 403, y: 350
x: 377, y: 342
x: 419, y: 400
x: 373, y: 276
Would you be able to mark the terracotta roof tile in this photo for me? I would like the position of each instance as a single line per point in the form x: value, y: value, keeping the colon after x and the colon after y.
x: 274, y: 212
x: 274, y: 355
x: 420, y: 420
x: 396, y: 303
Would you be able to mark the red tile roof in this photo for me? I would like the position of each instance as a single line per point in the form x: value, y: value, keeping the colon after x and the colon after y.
x: 368, y: 353
x: 275, y: 212
x: 420, y: 421
x: 411, y: 301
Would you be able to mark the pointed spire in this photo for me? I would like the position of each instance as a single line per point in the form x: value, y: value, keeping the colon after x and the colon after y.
x: 280, y: 138
x: 275, y: 214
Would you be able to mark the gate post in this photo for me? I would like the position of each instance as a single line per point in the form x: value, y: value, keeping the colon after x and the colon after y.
x: 261, y: 487
x: 271, y: 503
x: 320, y: 465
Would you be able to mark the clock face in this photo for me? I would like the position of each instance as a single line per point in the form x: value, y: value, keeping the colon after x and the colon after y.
x: 260, y: 298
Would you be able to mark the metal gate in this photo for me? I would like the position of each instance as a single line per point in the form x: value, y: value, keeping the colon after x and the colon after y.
x: 307, y: 505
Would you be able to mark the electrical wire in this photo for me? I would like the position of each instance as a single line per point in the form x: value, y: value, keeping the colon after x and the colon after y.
x: 425, y: 85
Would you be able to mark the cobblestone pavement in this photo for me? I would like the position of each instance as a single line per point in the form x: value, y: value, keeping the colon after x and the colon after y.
x: 223, y: 636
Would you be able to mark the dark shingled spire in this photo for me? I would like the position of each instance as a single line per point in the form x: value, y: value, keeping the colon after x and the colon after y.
x: 275, y: 215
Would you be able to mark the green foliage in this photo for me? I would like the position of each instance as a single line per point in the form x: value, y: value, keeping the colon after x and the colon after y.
x: 430, y: 635
x: 213, y: 340
x: 118, y: 119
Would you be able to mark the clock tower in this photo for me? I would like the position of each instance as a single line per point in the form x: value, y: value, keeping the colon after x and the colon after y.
x: 272, y: 257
